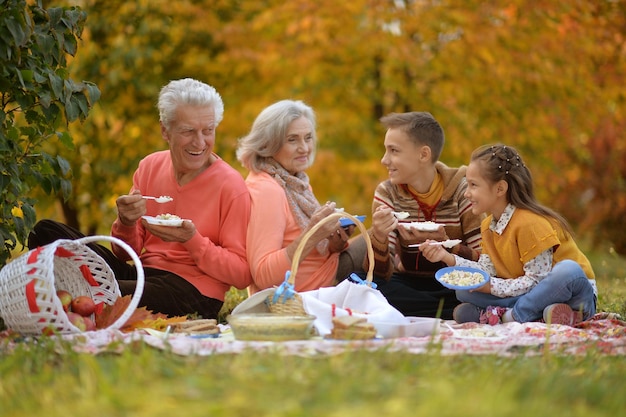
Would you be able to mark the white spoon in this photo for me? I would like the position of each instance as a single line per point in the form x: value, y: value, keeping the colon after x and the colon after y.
x: 401, y: 215
x: 450, y: 243
x: 161, y: 199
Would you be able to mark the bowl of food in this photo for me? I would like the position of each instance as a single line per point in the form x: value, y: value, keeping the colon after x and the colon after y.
x: 271, y: 327
x: 461, y: 278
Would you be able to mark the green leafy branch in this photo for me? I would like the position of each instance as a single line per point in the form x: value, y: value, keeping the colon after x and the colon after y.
x: 38, y: 101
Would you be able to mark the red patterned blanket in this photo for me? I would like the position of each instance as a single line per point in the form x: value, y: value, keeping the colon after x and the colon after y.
x: 604, y: 334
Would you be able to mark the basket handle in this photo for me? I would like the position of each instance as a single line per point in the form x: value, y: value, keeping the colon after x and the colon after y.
x: 134, y: 301
x: 333, y: 217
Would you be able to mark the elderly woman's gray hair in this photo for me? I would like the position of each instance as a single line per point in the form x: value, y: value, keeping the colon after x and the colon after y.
x: 269, y: 132
x: 188, y: 91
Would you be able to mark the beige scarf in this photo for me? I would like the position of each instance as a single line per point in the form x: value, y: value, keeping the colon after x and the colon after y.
x: 301, y: 199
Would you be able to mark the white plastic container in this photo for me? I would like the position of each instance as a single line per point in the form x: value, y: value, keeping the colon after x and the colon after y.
x: 414, y: 327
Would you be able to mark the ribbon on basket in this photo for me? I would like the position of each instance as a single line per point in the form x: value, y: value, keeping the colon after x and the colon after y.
x: 284, y: 291
x: 360, y: 281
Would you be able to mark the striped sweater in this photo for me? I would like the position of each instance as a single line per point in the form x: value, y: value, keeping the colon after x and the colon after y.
x: 453, y: 211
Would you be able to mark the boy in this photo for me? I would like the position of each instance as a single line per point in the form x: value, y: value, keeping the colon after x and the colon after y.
x: 429, y: 191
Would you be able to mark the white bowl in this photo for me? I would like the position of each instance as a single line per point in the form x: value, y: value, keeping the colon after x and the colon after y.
x: 414, y: 327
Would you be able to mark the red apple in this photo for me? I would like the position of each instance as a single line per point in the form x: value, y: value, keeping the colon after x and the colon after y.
x: 83, y: 305
x: 89, y: 324
x: 66, y: 299
x: 77, y: 320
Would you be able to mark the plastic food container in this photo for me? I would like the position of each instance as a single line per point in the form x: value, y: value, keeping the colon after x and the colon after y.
x: 414, y: 327
x: 271, y: 327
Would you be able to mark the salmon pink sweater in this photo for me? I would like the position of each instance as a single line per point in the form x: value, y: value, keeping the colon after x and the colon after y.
x: 272, y: 228
x: 218, y: 203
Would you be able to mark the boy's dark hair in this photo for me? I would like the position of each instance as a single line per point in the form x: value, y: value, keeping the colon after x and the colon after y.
x: 421, y: 127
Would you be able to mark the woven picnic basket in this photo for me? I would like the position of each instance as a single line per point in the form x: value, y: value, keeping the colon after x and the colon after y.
x: 28, y: 285
x: 295, y: 305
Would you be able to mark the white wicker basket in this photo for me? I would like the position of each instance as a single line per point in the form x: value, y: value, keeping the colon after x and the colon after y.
x: 28, y: 285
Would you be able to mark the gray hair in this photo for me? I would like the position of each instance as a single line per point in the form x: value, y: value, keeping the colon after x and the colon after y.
x: 188, y: 91
x: 269, y: 132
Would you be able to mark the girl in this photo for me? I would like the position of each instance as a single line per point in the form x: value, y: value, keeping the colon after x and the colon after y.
x: 536, y: 268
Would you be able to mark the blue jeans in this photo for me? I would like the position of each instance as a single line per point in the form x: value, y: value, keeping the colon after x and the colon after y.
x: 566, y: 283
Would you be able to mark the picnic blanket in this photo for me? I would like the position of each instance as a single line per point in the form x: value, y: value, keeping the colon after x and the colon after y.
x: 604, y: 333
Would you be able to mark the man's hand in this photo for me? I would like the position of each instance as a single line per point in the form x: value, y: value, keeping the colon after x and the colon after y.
x: 130, y: 208
x: 181, y: 234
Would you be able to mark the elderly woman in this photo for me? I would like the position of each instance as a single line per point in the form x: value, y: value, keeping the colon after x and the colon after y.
x: 277, y: 152
x: 188, y: 267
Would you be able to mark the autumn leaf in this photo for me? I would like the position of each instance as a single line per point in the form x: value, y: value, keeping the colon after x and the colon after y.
x: 141, y: 317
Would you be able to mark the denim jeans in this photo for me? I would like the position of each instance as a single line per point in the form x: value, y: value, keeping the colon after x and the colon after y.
x: 566, y: 283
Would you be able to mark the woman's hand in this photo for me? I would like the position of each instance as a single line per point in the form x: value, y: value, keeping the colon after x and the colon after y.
x: 324, y: 231
x: 338, y: 240
x: 328, y: 228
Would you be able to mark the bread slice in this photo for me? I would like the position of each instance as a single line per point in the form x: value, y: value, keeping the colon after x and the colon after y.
x: 344, y: 322
x: 352, y: 328
x: 202, y: 326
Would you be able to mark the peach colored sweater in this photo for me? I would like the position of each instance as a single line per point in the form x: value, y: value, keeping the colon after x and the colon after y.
x: 272, y: 228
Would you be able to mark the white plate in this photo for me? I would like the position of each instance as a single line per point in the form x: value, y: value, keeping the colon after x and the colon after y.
x: 478, y: 333
x: 162, y: 222
x: 422, y: 226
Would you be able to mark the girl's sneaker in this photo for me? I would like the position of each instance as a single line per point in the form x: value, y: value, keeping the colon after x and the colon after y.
x: 492, y: 315
x: 561, y: 314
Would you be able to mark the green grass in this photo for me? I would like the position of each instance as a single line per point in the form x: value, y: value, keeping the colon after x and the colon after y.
x: 40, y: 380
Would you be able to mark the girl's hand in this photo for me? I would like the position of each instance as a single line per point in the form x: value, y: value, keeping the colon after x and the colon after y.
x: 484, y: 289
x: 436, y: 253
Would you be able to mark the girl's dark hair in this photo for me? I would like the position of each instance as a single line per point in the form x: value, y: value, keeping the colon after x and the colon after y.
x: 502, y: 162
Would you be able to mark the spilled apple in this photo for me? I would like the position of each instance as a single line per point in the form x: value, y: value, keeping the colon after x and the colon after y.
x: 66, y: 299
x: 83, y: 305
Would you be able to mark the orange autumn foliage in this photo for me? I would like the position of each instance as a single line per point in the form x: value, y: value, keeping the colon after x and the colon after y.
x: 141, y: 317
x: 547, y: 79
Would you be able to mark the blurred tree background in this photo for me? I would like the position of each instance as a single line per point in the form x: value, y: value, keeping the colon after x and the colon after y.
x: 544, y: 76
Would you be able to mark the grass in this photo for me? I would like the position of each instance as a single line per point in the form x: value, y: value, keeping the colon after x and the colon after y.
x: 39, y: 379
